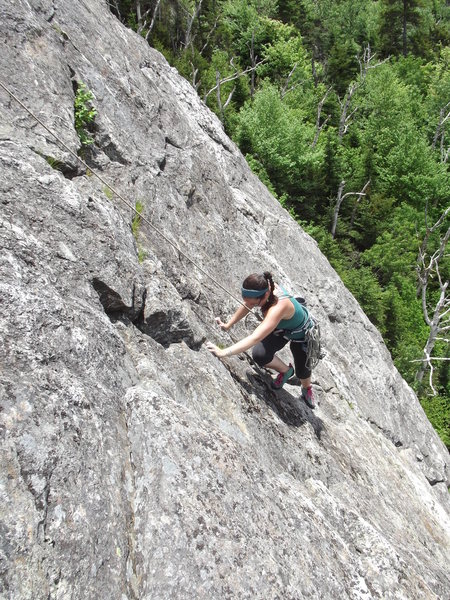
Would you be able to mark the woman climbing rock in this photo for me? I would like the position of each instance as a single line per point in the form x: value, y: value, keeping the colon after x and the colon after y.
x: 284, y: 320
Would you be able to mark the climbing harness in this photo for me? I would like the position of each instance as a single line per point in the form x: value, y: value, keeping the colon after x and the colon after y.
x: 310, y: 328
x: 108, y: 185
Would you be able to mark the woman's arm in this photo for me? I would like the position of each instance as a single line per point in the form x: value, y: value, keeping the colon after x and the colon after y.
x: 271, y: 320
x: 240, y: 313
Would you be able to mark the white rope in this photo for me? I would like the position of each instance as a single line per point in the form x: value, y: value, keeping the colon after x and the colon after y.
x: 141, y: 216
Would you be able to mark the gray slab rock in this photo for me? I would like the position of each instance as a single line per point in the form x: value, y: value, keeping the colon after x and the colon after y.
x: 135, y: 465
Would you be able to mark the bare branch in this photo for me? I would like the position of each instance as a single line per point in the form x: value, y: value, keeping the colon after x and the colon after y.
x: 253, y: 61
x: 229, y: 98
x: 113, y: 4
x: 442, y: 358
x: 195, y: 83
x: 208, y: 37
x: 143, y: 22
x: 364, y: 66
x: 188, y: 39
x: 440, y: 130
x: 340, y: 198
x: 430, y: 379
x: 222, y: 106
x: 424, y: 271
x: 319, y: 127
x: 285, y: 89
x: 141, y: 17
x: 231, y: 78
x: 428, y: 268
x: 152, y: 22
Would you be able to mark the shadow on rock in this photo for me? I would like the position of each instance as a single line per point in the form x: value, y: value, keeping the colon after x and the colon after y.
x: 290, y: 409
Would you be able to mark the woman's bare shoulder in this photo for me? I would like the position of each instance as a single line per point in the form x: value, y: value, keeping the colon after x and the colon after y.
x: 282, y: 309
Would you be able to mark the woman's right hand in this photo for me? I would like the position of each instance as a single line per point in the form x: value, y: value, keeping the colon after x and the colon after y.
x: 219, y: 352
x: 221, y: 324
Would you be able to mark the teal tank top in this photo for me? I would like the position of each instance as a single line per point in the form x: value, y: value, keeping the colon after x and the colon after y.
x: 295, y: 327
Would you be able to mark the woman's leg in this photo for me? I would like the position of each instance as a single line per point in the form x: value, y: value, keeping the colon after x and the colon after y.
x: 298, y: 350
x: 264, y: 353
x: 277, y: 365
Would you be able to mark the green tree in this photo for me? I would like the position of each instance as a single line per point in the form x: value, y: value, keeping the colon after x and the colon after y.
x: 286, y: 60
x: 401, y: 161
x: 436, y: 105
x: 281, y: 140
x: 403, y: 23
x: 367, y: 290
x: 437, y: 410
x: 395, y: 249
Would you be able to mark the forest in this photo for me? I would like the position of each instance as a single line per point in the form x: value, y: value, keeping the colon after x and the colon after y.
x: 342, y: 109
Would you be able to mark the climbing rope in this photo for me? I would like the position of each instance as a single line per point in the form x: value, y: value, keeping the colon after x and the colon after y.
x: 313, y: 340
x: 126, y: 202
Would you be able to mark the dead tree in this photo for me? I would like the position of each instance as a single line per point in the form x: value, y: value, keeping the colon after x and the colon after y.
x: 437, y: 319
x: 253, y: 61
x: 286, y: 88
x: 319, y: 127
x: 365, y: 64
x: 195, y: 83
x: 114, y: 6
x: 152, y: 22
x: 346, y: 116
x: 222, y: 106
x: 440, y: 132
x: 313, y: 66
x: 146, y: 18
x: 188, y: 38
x: 340, y: 198
x: 208, y: 37
x: 220, y: 82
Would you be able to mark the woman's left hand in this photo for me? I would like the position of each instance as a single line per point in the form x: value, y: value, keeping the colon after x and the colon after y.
x: 215, y: 350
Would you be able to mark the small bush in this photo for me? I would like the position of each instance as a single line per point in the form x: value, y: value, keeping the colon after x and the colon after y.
x: 84, y: 114
x: 136, y: 222
x: 54, y: 163
x: 135, y: 225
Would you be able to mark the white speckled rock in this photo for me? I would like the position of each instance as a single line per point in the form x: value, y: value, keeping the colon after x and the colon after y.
x: 134, y: 464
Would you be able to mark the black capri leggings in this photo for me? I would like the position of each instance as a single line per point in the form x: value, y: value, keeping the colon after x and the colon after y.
x: 265, y: 350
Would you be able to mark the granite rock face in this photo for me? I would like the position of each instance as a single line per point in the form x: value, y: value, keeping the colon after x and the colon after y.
x: 136, y: 465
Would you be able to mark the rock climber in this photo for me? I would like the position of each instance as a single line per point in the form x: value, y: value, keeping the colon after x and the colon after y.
x: 285, y: 320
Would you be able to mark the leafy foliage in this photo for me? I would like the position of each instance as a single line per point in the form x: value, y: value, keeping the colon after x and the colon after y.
x: 135, y: 226
x: 437, y: 410
x: 84, y: 114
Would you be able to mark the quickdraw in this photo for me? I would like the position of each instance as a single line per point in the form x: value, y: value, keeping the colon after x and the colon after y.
x: 313, y: 345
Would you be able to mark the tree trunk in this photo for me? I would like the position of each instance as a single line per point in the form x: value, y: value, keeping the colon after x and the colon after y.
x: 339, y: 200
x: 337, y: 206
x: 435, y: 328
x: 190, y: 23
x: 405, y: 11
x: 252, y: 62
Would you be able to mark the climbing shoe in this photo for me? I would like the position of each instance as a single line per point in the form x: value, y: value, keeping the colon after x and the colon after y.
x: 278, y: 383
x: 308, y: 397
